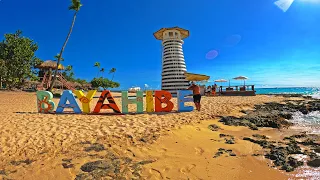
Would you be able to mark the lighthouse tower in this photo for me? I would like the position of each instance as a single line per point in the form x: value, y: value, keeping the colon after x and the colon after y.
x: 173, y: 63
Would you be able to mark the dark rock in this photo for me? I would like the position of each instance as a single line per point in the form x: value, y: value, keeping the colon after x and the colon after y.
x: 309, y: 142
x: 278, y: 155
x: 17, y: 163
x: 67, y: 160
x: 293, y: 148
x: 253, y: 127
x: 222, y: 135
x: 85, y: 142
x: 146, y: 162
x: 263, y: 143
x: 256, y: 154
x: 294, y: 163
x: 312, y: 155
x: 65, y: 165
x: 230, y: 141
x: 273, y: 115
x: 259, y: 136
x: 3, y: 172
x: 222, y: 151
x: 314, y: 163
x: 287, y: 168
x: 91, y: 166
x: 301, y: 135
x: 95, y: 147
x: 214, y: 127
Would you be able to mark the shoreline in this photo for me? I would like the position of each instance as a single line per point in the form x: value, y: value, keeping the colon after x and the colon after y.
x: 110, y: 135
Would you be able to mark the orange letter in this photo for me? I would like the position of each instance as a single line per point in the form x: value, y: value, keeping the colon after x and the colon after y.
x: 106, y: 94
x: 163, y: 97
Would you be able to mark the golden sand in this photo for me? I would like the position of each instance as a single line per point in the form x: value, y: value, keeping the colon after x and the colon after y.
x: 188, y: 153
x: 46, y: 138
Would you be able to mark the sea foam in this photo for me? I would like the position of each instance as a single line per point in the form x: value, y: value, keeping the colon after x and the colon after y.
x: 309, y: 122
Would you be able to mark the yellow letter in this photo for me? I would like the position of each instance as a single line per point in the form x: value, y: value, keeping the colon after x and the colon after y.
x: 149, y: 100
x: 85, y: 100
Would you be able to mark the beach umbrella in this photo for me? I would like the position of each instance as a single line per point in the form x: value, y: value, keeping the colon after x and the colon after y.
x: 241, y: 78
x: 196, y: 77
x: 220, y: 80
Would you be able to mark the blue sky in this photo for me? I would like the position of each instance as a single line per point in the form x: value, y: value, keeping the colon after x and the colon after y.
x: 276, y: 48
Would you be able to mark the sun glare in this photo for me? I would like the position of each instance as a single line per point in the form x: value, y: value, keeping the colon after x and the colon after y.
x: 284, y: 5
x: 311, y: 1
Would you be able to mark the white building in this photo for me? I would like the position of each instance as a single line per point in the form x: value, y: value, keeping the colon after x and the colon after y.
x: 134, y: 89
x: 173, y: 63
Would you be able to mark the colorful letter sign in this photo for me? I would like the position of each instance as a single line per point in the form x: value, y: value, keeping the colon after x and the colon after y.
x: 154, y: 101
x: 68, y: 96
x: 135, y: 100
x: 85, y: 100
x: 163, y: 97
x: 149, y: 101
x: 181, y: 100
x: 112, y: 104
x: 44, y: 102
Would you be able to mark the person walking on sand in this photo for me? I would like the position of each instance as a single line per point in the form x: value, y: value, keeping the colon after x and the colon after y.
x: 196, y: 95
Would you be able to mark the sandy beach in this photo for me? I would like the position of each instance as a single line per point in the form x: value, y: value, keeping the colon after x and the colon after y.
x: 168, y: 145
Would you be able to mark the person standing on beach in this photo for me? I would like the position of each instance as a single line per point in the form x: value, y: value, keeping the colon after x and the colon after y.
x: 196, y: 95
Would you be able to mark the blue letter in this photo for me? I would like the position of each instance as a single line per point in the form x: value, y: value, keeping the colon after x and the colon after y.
x: 181, y: 100
x: 68, y: 96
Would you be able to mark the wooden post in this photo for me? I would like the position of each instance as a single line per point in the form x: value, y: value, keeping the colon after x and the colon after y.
x: 252, y: 87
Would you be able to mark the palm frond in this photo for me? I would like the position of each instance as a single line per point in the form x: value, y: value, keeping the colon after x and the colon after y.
x: 75, y: 5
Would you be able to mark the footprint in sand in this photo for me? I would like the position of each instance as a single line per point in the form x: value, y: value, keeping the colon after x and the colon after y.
x: 188, y: 168
x: 188, y: 137
x: 199, y: 150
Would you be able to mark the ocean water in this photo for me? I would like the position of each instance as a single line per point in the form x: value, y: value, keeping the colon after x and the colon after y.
x: 312, y: 91
x: 309, y: 122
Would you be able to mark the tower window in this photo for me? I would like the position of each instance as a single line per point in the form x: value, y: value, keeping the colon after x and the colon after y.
x: 170, y: 34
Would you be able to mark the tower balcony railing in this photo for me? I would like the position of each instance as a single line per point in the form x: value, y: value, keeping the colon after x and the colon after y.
x: 172, y: 65
x: 174, y: 73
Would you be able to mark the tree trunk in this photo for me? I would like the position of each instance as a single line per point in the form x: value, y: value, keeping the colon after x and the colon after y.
x: 113, y: 76
x: 61, y: 52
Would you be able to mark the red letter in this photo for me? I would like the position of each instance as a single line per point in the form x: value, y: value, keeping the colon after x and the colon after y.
x: 106, y: 94
x: 163, y: 97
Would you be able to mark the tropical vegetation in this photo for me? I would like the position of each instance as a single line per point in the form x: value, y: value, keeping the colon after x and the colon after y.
x: 17, y: 60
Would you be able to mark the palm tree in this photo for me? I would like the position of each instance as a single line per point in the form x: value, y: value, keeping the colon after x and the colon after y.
x: 75, y: 6
x: 97, y: 64
x: 56, y: 57
x: 112, y: 71
x: 69, y: 68
x: 102, y: 71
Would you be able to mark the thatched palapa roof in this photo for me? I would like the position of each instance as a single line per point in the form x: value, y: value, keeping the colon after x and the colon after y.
x: 49, y: 64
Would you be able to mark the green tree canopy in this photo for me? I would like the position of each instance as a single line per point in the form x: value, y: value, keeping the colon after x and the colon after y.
x: 104, y: 83
x: 17, y: 59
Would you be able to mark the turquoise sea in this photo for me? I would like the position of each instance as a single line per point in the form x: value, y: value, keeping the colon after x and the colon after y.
x: 312, y: 91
